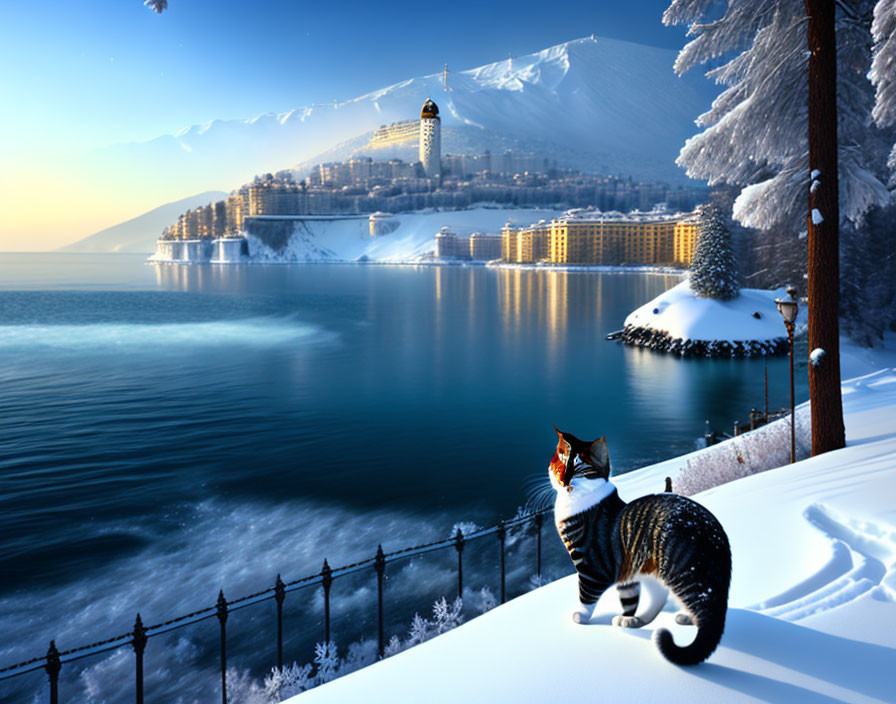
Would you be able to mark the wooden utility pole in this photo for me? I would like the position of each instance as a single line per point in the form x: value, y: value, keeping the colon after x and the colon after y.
x: 824, y: 224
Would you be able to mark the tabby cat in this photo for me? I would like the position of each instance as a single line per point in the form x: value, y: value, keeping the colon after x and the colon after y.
x: 666, y: 537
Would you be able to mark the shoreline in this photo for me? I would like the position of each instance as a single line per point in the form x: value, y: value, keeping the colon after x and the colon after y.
x: 493, y: 264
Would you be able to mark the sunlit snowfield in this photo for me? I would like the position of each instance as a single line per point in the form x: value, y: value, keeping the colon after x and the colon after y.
x: 167, y: 431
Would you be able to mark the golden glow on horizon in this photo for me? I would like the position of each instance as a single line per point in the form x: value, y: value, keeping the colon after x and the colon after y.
x: 46, y: 207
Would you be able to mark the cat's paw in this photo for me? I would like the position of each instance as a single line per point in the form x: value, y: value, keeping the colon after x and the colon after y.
x: 684, y: 619
x: 581, y: 616
x: 627, y: 621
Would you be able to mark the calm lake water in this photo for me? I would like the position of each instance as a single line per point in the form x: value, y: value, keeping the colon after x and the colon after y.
x: 166, y: 431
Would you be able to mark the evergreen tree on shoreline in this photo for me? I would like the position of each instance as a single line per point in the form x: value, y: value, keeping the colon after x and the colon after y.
x: 713, y: 269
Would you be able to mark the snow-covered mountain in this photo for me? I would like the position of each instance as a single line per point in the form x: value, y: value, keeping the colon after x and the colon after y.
x: 594, y: 103
x: 139, y: 234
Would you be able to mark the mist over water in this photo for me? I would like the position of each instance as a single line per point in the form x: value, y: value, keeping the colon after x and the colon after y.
x: 169, y: 431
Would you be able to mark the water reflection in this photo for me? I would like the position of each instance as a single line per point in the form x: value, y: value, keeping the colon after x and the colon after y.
x: 473, y: 339
x: 201, y: 277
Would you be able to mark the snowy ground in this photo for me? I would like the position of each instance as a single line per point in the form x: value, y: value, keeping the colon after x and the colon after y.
x: 685, y: 316
x: 348, y: 239
x: 812, y: 614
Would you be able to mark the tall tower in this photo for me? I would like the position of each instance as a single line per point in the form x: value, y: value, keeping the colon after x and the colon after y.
x: 431, y: 139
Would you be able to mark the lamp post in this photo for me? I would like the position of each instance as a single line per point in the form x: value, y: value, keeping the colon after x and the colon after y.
x: 789, y: 308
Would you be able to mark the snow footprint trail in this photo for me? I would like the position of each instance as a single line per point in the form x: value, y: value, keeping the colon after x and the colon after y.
x: 863, y: 560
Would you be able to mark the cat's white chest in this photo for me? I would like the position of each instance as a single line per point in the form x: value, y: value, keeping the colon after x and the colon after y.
x: 581, y: 495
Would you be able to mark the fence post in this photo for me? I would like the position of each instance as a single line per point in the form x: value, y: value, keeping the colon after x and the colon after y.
x: 502, y: 535
x: 279, y: 596
x: 459, y: 546
x: 222, y: 618
x: 380, y: 567
x: 326, y: 579
x: 139, y: 643
x: 539, y: 519
x: 53, y: 666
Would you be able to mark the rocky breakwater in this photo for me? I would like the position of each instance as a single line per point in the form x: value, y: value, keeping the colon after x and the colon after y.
x: 662, y: 341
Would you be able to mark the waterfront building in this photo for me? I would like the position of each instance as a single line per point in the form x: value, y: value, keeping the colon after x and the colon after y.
x: 450, y: 246
x: 603, y: 239
x: 685, y: 240
x: 431, y: 139
x: 509, y: 236
x: 236, y: 210
x: 613, y: 238
x: 526, y: 245
x: 274, y: 198
x: 485, y: 246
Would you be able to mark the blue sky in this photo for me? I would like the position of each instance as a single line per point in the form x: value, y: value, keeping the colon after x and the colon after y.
x: 76, y: 76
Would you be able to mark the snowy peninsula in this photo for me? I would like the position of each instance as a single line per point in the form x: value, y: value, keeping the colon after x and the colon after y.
x: 681, y: 322
x: 811, y: 614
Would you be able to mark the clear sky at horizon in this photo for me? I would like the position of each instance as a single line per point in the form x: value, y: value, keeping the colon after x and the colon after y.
x: 81, y: 77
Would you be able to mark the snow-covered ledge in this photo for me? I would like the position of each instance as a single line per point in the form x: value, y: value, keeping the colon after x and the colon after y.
x: 681, y: 322
x: 812, y: 607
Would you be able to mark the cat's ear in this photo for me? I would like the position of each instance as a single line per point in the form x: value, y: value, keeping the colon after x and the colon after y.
x: 600, y: 456
x: 559, y: 434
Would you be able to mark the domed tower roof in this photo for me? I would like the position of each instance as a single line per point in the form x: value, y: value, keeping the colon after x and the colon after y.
x: 430, y: 109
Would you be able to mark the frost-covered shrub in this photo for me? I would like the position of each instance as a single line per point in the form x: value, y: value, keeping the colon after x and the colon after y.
x: 242, y: 689
x: 487, y: 600
x: 536, y: 581
x: 766, y: 448
x: 419, y: 630
x: 393, y: 647
x: 360, y: 654
x: 327, y: 660
x: 445, y: 617
x: 287, y: 682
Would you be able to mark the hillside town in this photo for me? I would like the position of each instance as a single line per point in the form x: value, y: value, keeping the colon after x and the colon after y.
x: 364, y: 185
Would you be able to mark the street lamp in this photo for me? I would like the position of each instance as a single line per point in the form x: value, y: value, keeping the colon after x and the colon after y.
x: 789, y: 308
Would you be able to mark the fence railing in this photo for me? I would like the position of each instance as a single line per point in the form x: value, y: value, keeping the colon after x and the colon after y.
x: 141, y: 634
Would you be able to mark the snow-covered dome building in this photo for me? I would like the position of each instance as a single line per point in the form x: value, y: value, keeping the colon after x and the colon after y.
x: 431, y: 139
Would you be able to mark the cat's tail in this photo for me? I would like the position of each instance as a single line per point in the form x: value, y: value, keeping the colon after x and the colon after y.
x: 710, y: 626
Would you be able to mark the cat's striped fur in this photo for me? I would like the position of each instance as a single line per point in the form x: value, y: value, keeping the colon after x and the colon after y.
x: 666, y: 537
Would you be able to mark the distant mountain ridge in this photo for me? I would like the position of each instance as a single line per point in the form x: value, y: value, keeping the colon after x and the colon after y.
x: 139, y: 234
x: 602, y: 104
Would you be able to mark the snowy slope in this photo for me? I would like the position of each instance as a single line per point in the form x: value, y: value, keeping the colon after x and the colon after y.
x: 602, y: 103
x: 139, y: 234
x: 685, y: 315
x: 348, y: 238
x: 812, y: 609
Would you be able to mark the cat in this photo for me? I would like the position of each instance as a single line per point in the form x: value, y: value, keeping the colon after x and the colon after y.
x: 664, y: 537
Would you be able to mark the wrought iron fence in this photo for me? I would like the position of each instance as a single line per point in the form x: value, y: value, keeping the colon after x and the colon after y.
x: 139, y: 637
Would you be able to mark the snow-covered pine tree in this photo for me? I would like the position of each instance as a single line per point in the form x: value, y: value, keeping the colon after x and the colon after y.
x: 755, y: 134
x: 713, y: 269
x: 883, y: 68
x: 779, y: 120
x: 868, y: 274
